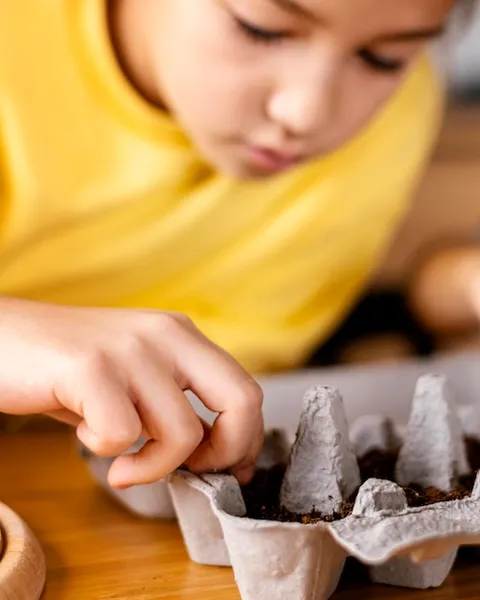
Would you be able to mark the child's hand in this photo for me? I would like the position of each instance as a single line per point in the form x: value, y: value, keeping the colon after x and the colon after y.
x: 473, y: 285
x: 118, y: 374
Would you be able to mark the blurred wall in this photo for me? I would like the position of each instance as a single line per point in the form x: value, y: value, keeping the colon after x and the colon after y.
x: 465, y: 62
x: 447, y: 204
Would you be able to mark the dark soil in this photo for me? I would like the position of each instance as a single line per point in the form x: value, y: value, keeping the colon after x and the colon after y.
x: 418, y: 496
x: 262, y: 499
x: 381, y: 465
x: 473, y: 451
x: 262, y: 495
x: 378, y: 464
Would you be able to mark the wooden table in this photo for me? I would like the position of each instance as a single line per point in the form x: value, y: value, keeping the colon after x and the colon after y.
x: 95, y: 550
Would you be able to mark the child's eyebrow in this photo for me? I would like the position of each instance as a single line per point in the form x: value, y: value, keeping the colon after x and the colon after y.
x: 294, y: 7
x: 401, y: 36
x: 413, y: 35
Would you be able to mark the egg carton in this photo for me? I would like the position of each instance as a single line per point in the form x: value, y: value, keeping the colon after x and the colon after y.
x: 410, y: 547
x: 401, y: 546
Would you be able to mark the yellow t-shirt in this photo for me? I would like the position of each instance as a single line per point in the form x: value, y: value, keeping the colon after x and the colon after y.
x: 105, y: 202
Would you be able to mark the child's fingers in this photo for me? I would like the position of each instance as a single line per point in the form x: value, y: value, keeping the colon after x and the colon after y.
x: 70, y: 418
x: 225, y: 388
x: 65, y: 416
x: 225, y: 447
x: 474, y: 294
x: 245, y: 470
x: 207, y: 430
x: 110, y: 422
x: 172, y: 424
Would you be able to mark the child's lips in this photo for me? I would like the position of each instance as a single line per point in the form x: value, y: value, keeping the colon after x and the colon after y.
x: 271, y: 160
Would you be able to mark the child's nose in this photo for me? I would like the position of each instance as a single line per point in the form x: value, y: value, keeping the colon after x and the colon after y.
x: 306, y: 102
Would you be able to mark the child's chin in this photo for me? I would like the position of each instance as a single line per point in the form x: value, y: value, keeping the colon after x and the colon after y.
x: 242, y: 172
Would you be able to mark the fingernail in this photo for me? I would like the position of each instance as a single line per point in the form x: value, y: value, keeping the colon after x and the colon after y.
x: 117, y: 484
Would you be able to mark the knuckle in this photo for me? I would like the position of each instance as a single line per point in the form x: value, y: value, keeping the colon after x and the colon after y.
x: 172, y: 322
x: 249, y: 395
x: 125, y: 437
x: 189, y: 437
x: 132, y: 345
x: 228, y: 456
x: 100, y: 446
x: 114, y: 443
x: 92, y: 363
x: 183, y: 319
x: 103, y: 448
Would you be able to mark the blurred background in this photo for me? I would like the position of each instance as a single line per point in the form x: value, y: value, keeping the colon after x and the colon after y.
x: 448, y: 201
x: 465, y: 67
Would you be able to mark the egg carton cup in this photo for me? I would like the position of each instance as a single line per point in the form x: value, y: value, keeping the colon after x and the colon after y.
x: 270, y: 559
x: 408, y: 547
x: 153, y: 500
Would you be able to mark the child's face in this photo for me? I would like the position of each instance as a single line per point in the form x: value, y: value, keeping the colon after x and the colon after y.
x: 261, y: 85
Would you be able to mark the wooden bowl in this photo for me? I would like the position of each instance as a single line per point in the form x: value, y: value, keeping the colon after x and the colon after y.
x: 22, y: 562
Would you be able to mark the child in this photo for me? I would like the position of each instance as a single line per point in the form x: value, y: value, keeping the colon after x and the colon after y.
x: 194, y: 191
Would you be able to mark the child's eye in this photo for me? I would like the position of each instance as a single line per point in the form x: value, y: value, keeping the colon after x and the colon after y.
x: 258, y: 34
x: 381, y: 63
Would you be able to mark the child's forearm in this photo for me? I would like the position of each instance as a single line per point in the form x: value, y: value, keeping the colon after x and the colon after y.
x: 444, y: 290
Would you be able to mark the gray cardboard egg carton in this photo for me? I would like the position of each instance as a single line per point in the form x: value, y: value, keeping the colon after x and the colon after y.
x: 410, y: 547
x: 402, y: 546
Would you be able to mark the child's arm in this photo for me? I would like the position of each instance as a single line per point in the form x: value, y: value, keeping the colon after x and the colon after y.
x: 445, y: 290
x: 120, y: 374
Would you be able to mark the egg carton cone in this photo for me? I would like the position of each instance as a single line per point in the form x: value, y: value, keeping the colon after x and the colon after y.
x: 433, y: 453
x: 323, y: 469
x: 274, y: 559
x: 153, y: 500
